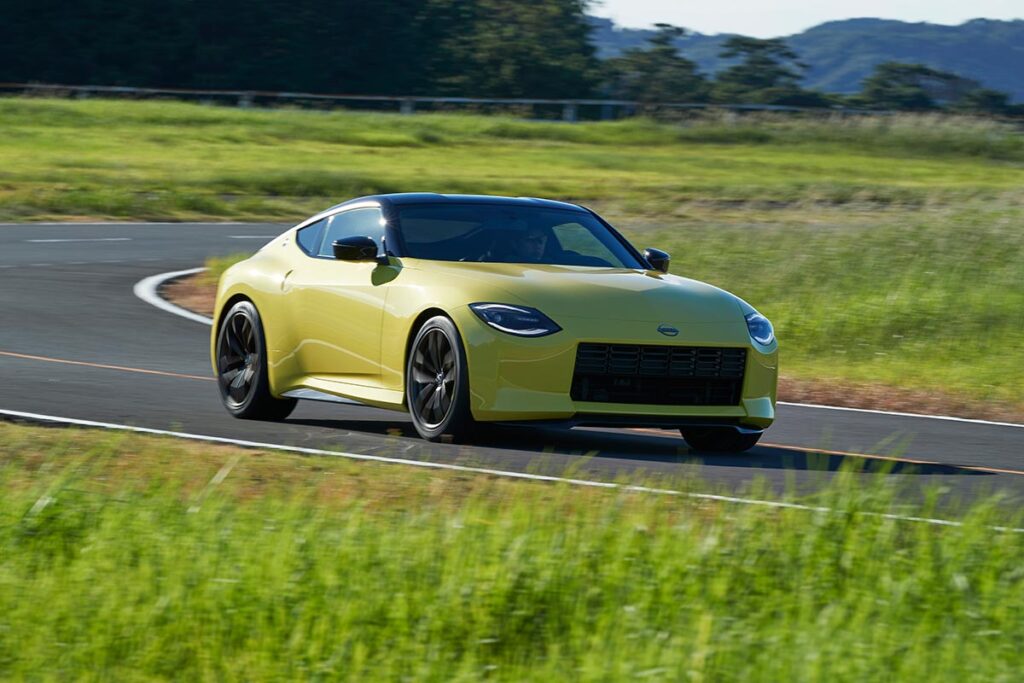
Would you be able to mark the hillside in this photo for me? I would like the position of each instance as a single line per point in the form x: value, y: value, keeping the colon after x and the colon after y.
x: 841, y: 53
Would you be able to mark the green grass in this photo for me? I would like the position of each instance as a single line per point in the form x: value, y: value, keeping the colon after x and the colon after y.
x: 125, y: 558
x: 216, y: 265
x: 931, y: 300
x: 886, y: 249
x: 168, y: 160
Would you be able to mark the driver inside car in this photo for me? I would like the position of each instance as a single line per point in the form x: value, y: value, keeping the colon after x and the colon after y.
x: 514, y: 240
x: 530, y: 246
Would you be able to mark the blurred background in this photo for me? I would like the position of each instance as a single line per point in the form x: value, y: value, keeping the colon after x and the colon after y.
x: 531, y: 49
x: 859, y: 180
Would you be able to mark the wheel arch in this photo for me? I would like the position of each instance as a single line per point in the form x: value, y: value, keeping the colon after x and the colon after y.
x: 228, y: 305
x: 420, y: 320
x: 219, y: 314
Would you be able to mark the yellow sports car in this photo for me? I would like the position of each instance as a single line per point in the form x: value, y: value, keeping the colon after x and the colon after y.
x: 473, y: 309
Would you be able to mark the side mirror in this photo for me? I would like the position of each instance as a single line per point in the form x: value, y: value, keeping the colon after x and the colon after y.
x: 357, y: 248
x: 657, y: 259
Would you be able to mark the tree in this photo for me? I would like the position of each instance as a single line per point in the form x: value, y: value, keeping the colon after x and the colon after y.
x: 657, y: 73
x: 520, y: 48
x: 916, y: 87
x: 530, y: 48
x: 769, y: 73
x: 985, y: 101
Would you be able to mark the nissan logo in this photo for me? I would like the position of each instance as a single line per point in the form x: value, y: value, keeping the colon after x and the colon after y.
x: 667, y: 330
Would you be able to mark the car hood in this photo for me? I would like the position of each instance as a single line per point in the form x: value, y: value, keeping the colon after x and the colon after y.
x: 586, y: 292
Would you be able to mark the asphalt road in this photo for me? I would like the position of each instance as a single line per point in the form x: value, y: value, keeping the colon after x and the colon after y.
x: 66, y: 295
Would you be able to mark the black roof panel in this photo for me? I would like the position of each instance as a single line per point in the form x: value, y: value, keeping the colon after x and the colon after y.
x: 400, y: 198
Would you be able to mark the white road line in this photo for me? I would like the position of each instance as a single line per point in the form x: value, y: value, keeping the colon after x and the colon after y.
x: 252, y: 237
x: 154, y: 282
x: 146, y: 289
x: 898, y: 414
x: 83, y: 239
x: 37, y: 417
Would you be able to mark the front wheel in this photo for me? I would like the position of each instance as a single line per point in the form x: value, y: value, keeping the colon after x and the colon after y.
x: 719, y: 439
x: 242, y: 367
x: 437, y: 383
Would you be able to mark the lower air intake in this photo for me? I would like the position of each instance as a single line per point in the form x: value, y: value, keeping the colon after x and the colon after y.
x: 658, y: 375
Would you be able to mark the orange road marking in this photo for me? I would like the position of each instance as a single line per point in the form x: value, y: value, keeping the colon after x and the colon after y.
x: 871, y: 456
x: 104, y: 366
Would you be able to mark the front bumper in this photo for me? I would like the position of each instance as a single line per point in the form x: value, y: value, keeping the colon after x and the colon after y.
x: 516, y: 379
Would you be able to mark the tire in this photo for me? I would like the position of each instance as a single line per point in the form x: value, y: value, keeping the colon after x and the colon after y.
x: 719, y: 439
x: 437, y: 383
x: 242, y: 367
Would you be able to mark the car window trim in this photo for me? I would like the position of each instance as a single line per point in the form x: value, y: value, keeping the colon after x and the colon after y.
x: 641, y: 261
x: 331, y: 218
x: 328, y: 215
x: 309, y: 225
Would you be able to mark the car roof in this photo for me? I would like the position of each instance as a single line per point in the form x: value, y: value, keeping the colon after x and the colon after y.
x: 400, y: 198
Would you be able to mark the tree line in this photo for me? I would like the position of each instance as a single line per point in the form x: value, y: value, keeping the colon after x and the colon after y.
x: 767, y: 71
x: 483, y: 48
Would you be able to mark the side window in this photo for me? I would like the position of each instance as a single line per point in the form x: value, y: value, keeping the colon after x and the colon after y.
x: 577, y: 238
x: 308, y: 238
x: 357, y: 222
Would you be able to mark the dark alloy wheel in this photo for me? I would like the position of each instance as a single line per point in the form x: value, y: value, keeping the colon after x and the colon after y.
x: 719, y: 439
x: 242, y: 367
x: 437, y: 385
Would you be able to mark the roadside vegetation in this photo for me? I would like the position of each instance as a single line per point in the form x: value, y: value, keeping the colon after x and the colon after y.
x: 887, y: 250
x: 215, y: 267
x: 930, y: 300
x: 129, y: 557
x: 166, y: 160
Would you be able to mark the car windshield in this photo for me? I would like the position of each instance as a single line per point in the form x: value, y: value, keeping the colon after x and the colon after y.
x: 496, y: 233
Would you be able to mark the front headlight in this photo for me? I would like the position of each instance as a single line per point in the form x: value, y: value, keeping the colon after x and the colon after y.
x: 760, y: 328
x: 521, y: 321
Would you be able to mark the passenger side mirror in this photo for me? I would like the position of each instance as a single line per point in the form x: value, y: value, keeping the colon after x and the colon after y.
x: 657, y: 259
x: 357, y: 248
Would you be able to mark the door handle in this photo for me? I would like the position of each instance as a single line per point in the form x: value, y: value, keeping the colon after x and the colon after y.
x: 286, y: 281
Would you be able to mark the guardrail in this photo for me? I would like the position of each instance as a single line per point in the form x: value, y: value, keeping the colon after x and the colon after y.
x: 570, y: 108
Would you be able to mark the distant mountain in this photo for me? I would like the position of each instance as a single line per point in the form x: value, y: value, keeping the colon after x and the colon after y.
x: 841, y: 54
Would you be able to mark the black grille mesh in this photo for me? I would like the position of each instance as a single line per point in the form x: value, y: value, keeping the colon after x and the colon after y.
x: 658, y: 375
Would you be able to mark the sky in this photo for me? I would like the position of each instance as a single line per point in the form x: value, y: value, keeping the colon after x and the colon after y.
x: 771, y: 18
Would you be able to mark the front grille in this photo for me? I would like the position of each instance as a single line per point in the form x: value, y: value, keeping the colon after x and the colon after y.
x: 658, y: 375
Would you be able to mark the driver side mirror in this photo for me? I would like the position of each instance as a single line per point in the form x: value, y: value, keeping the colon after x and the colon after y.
x: 657, y: 258
x: 357, y: 248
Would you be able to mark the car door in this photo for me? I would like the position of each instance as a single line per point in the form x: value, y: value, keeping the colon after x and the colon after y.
x: 338, y: 305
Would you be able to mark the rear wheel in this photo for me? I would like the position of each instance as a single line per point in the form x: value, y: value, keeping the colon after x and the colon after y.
x: 437, y: 383
x: 719, y: 439
x: 242, y: 367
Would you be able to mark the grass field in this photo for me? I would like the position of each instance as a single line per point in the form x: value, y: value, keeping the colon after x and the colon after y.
x: 888, y: 251
x: 132, y: 558
x: 171, y: 160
